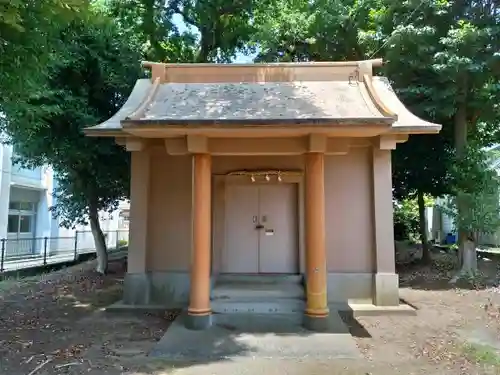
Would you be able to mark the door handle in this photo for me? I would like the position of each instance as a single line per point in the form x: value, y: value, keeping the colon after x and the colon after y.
x: 259, y: 226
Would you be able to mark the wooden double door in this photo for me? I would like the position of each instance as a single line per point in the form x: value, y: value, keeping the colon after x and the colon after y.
x: 261, y: 229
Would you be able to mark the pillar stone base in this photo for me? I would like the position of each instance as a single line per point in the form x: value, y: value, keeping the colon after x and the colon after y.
x: 386, y: 291
x: 198, y: 322
x: 316, y: 323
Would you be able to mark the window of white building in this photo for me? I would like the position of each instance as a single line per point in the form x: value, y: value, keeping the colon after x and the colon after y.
x: 21, y: 219
x: 124, y: 219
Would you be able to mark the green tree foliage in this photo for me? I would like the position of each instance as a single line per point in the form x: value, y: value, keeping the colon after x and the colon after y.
x: 407, y: 218
x: 212, y: 31
x: 318, y: 30
x: 149, y: 23
x: 86, y: 85
x: 421, y: 166
x: 477, y: 184
x: 352, y: 30
x: 28, y: 34
x: 406, y: 36
x: 469, y: 59
x: 441, y: 57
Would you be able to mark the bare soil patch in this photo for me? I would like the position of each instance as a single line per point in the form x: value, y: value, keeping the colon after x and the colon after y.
x: 55, y: 325
x: 437, y: 338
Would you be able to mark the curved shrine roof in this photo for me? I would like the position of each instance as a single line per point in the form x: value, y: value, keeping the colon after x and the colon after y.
x: 299, y: 94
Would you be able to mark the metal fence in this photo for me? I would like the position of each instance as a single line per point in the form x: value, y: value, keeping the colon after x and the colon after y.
x: 22, y: 253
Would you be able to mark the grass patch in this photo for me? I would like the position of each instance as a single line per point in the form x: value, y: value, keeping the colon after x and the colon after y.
x: 482, y: 354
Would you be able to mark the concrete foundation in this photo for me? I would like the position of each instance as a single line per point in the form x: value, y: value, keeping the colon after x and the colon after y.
x: 358, y: 309
x: 233, y: 336
x: 169, y: 289
x: 346, y: 286
x: 386, y: 291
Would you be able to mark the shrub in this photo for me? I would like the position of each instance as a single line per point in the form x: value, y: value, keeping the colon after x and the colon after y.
x: 406, y: 223
x: 122, y: 243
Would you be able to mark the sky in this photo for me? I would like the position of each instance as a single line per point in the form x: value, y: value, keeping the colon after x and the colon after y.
x: 240, y: 57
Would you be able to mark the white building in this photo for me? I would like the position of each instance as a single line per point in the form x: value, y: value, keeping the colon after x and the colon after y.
x: 441, y: 225
x: 25, y: 220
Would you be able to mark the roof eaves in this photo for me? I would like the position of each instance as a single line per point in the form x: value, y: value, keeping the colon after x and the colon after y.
x: 131, y: 105
x: 246, y: 122
x: 406, y: 121
x: 102, y: 132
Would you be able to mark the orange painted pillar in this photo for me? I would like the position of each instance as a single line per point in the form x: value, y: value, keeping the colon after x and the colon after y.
x: 317, y: 302
x: 199, y: 311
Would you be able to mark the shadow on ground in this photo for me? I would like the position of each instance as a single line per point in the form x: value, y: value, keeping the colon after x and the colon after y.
x: 243, y: 336
x: 356, y: 329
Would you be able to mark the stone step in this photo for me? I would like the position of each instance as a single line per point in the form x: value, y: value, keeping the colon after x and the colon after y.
x: 282, y: 323
x: 227, y: 278
x: 282, y: 306
x: 257, y: 292
x: 259, y: 322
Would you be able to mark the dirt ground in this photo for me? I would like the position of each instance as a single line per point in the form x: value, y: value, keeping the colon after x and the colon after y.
x: 55, y: 325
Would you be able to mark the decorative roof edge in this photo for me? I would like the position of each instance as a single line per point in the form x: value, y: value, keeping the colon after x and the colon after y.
x: 406, y: 122
x: 375, y: 98
x: 147, y: 100
x: 113, y: 125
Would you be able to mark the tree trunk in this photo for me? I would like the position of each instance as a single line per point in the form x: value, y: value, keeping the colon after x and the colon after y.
x: 206, y: 43
x: 469, y: 257
x: 204, y: 51
x: 99, y: 240
x: 426, y: 255
x: 460, y: 128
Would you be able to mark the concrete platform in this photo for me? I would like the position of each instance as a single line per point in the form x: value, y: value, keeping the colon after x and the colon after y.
x: 283, y: 306
x: 366, y: 308
x: 124, y: 307
x: 120, y: 306
x: 277, y: 336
